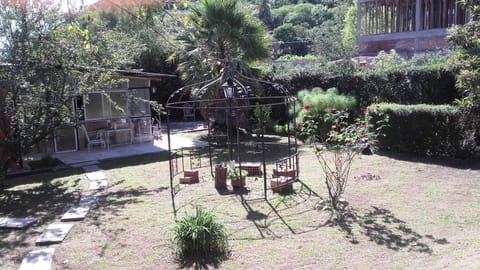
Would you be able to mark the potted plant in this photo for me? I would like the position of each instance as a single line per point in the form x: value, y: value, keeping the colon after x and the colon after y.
x: 237, y: 177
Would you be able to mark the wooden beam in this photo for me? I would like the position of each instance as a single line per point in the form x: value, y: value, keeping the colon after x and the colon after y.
x: 405, y: 35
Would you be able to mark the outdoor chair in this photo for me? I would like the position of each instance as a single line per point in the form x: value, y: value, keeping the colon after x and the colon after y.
x: 96, y: 140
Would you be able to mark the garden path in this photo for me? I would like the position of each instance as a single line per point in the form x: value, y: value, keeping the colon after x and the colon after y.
x: 56, y: 232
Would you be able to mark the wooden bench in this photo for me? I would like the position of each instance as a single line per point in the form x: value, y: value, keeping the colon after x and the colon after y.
x: 284, y: 172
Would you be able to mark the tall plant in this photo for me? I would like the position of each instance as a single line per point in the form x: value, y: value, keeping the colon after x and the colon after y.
x: 200, y: 235
x: 337, y: 150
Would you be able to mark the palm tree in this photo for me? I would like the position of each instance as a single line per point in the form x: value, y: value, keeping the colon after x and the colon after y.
x: 221, y: 38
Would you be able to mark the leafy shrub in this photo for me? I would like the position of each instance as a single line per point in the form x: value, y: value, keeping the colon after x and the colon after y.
x: 289, y: 57
x: 200, y: 235
x: 264, y: 115
x: 423, y: 79
x: 236, y: 172
x: 284, y: 130
x: 315, y: 103
x: 427, y: 130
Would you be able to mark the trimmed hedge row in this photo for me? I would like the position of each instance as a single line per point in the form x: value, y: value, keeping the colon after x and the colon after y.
x: 429, y: 130
x: 426, y: 85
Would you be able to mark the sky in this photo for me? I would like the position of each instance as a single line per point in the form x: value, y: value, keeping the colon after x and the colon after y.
x: 76, y: 3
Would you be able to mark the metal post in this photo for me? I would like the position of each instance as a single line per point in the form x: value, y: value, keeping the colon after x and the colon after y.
x: 228, y: 121
x: 238, y: 145
x: 289, y: 137
x: 172, y: 192
x: 210, y: 144
x: 263, y: 154
x: 295, y: 133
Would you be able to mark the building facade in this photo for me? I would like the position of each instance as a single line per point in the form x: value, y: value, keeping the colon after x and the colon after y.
x: 408, y: 26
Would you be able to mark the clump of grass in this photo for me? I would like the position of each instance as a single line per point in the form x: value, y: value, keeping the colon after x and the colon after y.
x: 200, y: 235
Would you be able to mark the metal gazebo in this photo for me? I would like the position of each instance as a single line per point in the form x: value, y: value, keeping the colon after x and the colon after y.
x: 228, y: 104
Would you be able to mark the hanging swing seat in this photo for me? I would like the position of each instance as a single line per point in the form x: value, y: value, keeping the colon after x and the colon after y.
x: 282, y: 183
x: 253, y: 168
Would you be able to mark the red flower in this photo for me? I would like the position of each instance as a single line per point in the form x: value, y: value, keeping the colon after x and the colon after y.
x: 307, y: 106
x: 366, y: 111
x: 334, y: 108
x: 299, y: 125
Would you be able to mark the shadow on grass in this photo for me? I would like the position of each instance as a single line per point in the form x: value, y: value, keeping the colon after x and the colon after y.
x: 264, y: 221
x: 14, y: 180
x: 206, y: 262
x: 381, y: 226
x: 447, y: 162
x: 45, y: 202
x: 112, y: 202
x: 133, y: 161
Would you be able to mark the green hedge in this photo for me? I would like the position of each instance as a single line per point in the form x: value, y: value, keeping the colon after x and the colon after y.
x: 431, y: 85
x: 427, y: 130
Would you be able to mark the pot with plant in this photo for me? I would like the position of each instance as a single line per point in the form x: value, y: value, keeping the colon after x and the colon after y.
x: 237, y: 177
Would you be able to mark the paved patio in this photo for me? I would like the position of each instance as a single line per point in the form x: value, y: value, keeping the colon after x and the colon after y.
x: 82, y: 158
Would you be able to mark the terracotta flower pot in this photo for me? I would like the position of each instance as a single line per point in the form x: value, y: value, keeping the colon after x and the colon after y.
x: 238, y: 182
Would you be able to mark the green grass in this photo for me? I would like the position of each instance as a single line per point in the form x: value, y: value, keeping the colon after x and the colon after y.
x: 421, y: 213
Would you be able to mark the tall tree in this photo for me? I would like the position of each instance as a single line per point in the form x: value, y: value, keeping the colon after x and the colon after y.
x: 47, y: 58
x: 466, y: 59
x: 221, y: 37
x: 349, y: 32
x: 265, y: 15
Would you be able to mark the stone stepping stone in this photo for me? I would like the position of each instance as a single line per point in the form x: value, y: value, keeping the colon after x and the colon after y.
x: 91, y: 168
x: 75, y: 213
x: 87, y: 199
x: 38, y: 260
x: 16, y: 223
x: 100, y: 184
x: 96, y: 176
x: 55, y: 233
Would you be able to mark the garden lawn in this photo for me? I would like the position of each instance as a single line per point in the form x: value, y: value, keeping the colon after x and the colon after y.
x: 404, y: 214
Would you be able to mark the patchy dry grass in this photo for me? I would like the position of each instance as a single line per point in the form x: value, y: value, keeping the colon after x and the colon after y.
x: 404, y: 213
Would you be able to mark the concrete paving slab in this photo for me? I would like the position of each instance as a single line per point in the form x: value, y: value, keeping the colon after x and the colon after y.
x: 54, y: 233
x: 38, y: 260
x: 16, y: 223
x: 75, y: 213
x: 87, y: 199
x: 85, y: 158
x: 95, y: 176
x: 91, y: 168
x: 98, y: 185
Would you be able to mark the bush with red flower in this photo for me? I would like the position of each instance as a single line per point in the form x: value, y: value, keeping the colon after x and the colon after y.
x: 313, y: 106
x: 336, y: 149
